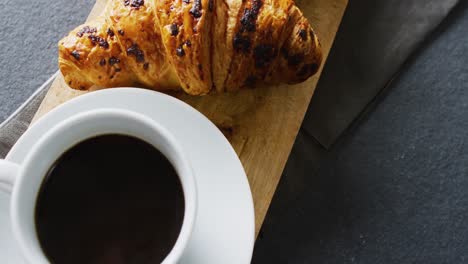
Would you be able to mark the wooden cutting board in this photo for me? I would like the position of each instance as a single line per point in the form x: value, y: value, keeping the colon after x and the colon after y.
x: 261, y: 123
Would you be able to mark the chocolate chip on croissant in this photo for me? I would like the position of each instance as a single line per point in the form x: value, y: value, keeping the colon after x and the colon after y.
x: 196, y: 45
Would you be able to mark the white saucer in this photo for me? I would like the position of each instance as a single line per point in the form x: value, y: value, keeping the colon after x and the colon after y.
x: 224, y: 229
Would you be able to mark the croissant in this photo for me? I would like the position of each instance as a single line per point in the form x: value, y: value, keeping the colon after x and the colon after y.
x: 194, y: 45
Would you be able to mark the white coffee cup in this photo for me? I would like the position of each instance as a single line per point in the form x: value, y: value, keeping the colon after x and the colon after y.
x: 24, y: 180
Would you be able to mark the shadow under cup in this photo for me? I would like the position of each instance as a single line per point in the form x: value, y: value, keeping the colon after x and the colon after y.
x: 105, y: 186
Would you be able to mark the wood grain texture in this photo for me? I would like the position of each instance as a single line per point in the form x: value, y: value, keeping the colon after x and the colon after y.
x: 261, y: 123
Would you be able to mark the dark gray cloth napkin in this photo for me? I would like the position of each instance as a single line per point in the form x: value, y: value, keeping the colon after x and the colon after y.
x: 375, y: 38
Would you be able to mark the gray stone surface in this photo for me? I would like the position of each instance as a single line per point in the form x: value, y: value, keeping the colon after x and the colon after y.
x: 29, y: 33
x: 394, y: 190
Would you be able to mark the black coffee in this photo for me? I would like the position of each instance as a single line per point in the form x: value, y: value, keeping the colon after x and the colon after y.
x: 110, y: 199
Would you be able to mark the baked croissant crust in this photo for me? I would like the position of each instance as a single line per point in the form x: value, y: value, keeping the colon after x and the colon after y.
x: 194, y: 45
